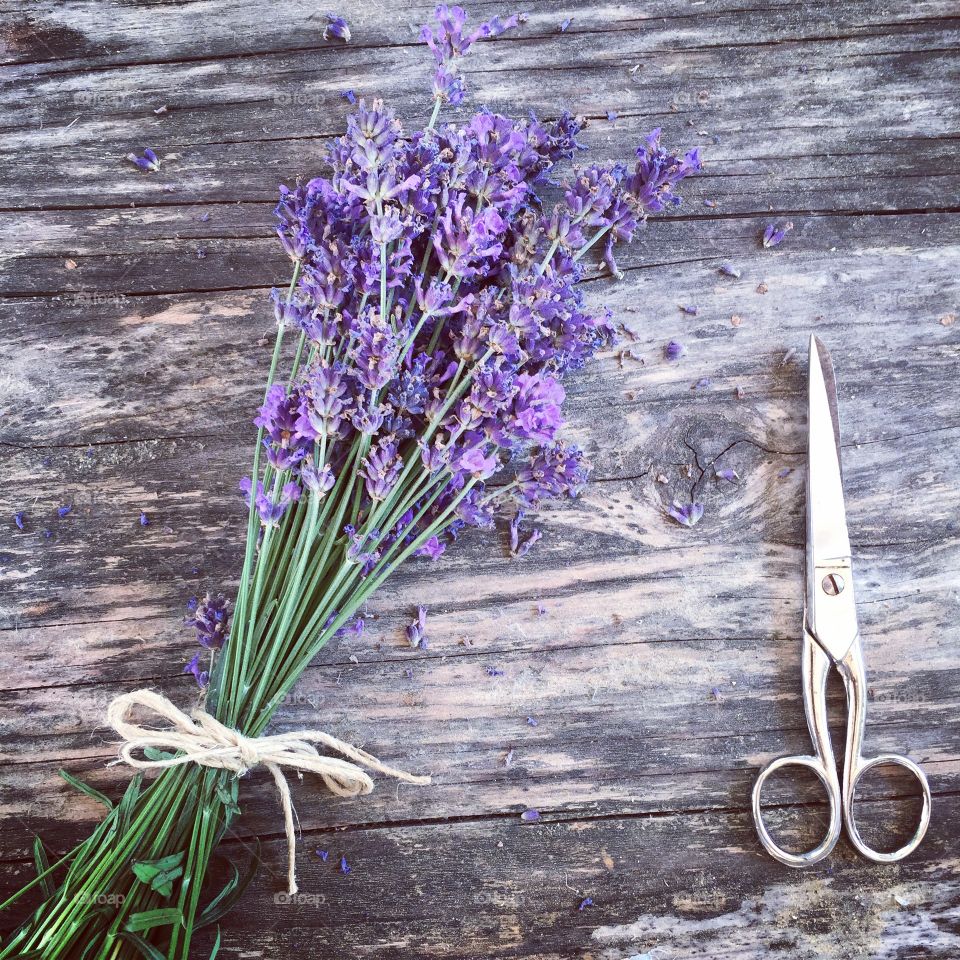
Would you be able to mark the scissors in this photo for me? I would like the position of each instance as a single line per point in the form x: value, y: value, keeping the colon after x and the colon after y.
x: 831, y: 638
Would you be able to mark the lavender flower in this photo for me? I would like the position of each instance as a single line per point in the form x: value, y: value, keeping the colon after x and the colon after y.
x: 210, y: 618
x: 448, y: 42
x: 271, y: 507
x: 64, y: 510
x: 193, y: 667
x: 381, y: 467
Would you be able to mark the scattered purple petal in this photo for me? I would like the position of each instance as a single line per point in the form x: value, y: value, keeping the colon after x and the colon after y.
x: 494, y: 672
x: 729, y: 270
x: 686, y: 514
x: 727, y: 474
x: 674, y: 350
x: 417, y: 629
x: 710, y: 203
x: 612, y: 115
x: 344, y: 866
x: 702, y: 384
x: 204, y: 217
x: 336, y: 28
x: 532, y: 722
x: 784, y: 472
x: 349, y: 96
x: 323, y: 854
x: 716, y: 694
x: 144, y: 519
x: 201, y: 253
x: 564, y: 24
x: 585, y: 902
x: 774, y: 235
x: 530, y: 815
x: 148, y: 163
x: 64, y: 510
x: 541, y: 610
x: 690, y: 309
x: 18, y: 518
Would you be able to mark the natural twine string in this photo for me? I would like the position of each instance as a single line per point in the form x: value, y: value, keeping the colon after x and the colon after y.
x: 206, y: 741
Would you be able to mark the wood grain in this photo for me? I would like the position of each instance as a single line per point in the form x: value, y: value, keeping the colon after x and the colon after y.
x: 663, y: 671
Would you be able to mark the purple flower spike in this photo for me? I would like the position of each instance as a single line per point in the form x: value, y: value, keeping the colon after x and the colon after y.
x: 674, y: 350
x: 148, y: 163
x: 271, y: 510
x: 448, y: 42
x: 774, y: 235
x: 336, y: 28
x: 687, y: 514
x: 530, y: 815
x: 211, y: 618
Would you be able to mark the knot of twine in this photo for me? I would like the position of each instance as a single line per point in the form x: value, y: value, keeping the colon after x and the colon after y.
x: 206, y: 741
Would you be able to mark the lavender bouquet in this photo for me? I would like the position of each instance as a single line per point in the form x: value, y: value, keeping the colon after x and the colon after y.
x: 435, y: 308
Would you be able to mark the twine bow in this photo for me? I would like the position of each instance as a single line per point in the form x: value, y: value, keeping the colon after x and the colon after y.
x: 206, y: 741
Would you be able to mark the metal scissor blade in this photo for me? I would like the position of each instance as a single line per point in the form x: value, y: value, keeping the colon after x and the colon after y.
x: 831, y: 610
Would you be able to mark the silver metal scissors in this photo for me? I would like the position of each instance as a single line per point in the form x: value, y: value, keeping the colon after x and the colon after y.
x: 831, y: 638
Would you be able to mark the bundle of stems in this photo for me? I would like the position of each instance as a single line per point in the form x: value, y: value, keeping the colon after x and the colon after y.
x: 435, y: 307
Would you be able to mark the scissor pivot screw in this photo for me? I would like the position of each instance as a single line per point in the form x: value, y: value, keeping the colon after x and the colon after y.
x: 832, y: 584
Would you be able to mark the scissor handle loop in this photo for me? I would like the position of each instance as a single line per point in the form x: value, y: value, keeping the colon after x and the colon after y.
x: 849, y: 818
x: 829, y: 780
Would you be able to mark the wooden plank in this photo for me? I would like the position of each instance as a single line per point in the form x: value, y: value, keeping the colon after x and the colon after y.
x: 691, y: 885
x: 73, y: 36
x: 275, y: 110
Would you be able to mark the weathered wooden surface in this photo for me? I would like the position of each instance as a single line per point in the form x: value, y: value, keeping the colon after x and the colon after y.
x: 664, y: 671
